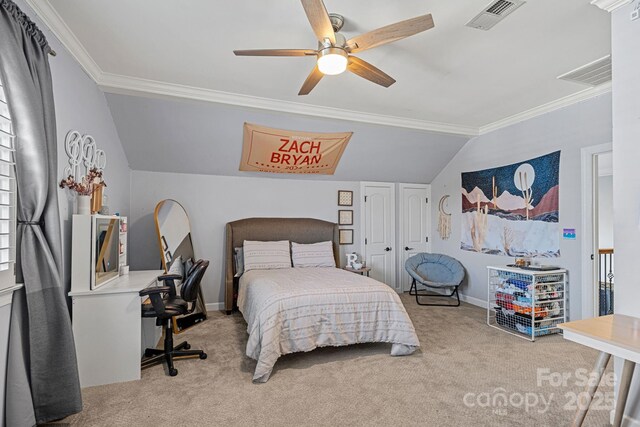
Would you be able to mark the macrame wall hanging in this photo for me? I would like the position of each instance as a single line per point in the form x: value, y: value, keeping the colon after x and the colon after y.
x: 444, y: 219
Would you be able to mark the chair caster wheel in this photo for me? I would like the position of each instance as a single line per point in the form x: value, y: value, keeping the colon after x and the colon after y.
x: 203, y: 355
x: 187, y: 346
x: 173, y: 372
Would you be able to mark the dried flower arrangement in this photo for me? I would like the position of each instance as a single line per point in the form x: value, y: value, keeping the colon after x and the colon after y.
x: 87, y: 185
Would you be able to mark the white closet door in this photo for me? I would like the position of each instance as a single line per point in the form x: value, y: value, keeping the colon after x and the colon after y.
x: 380, y: 231
x: 414, y: 226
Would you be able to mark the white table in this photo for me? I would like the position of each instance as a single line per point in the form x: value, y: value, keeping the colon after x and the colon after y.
x: 109, y: 332
x: 614, y: 335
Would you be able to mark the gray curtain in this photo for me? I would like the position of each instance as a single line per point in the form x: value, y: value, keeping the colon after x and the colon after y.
x: 42, y: 373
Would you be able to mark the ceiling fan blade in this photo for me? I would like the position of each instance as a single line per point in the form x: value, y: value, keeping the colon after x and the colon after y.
x: 390, y: 33
x: 275, y: 52
x: 311, y: 82
x: 319, y: 20
x: 369, y: 72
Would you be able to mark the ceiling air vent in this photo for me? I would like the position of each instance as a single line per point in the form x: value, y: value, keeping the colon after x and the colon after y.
x: 494, y: 13
x: 593, y: 74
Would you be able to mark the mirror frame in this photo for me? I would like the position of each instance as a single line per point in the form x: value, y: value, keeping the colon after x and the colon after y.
x: 201, y: 309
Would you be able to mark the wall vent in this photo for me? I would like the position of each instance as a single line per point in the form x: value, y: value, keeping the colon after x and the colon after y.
x: 495, y: 12
x: 593, y: 74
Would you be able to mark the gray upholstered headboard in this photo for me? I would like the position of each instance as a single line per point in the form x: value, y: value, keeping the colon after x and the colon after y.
x: 299, y: 230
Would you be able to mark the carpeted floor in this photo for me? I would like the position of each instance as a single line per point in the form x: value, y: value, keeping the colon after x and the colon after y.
x: 457, y: 378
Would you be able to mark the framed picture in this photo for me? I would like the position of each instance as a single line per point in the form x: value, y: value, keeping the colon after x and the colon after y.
x: 345, y: 217
x: 345, y: 198
x: 346, y: 236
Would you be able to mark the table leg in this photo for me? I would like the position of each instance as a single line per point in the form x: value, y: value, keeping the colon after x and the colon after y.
x: 623, y: 391
x: 583, y: 407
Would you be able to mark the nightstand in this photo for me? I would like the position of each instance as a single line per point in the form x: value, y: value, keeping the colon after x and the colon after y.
x: 361, y: 271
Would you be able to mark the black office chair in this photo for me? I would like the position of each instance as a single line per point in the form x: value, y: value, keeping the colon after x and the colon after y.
x: 164, y: 305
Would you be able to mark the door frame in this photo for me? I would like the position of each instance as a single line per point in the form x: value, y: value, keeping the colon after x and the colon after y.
x: 400, y: 234
x: 363, y: 227
x: 589, y: 226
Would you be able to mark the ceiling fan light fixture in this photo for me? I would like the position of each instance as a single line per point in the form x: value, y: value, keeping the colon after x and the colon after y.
x: 332, y: 61
x: 334, y: 54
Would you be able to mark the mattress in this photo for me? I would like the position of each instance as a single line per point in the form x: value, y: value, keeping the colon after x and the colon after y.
x: 299, y: 309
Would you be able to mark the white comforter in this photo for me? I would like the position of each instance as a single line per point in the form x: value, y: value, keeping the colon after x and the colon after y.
x: 299, y: 309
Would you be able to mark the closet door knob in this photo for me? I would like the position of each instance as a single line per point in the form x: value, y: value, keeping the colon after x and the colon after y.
x: 407, y: 248
x: 387, y: 249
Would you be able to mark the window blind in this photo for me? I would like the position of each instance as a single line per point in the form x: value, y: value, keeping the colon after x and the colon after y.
x: 7, y: 195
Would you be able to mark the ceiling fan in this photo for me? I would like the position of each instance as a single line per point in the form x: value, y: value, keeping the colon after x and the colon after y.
x: 334, y: 53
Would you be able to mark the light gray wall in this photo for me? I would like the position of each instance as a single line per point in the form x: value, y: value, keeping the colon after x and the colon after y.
x: 626, y: 182
x: 170, y: 135
x: 212, y: 201
x: 605, y: 211
x: 81, y: 106
x: 569, y: 129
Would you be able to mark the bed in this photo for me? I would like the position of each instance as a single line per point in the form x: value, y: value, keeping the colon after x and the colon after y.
x: 299, y: 309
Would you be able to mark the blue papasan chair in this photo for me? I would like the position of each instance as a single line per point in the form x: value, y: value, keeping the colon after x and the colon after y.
x: 435, y: 271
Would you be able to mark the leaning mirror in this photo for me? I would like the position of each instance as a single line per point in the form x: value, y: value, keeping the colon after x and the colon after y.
x: 174, y: 240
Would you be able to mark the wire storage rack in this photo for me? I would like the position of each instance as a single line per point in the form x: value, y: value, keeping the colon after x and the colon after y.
x: 528, y: 304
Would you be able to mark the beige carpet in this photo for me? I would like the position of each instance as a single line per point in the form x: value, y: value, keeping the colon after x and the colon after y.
x: 461, y: 360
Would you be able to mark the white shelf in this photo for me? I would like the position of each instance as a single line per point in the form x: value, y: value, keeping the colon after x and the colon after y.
x: 528, y: 272
x: 519, y: 303
x: 84, y: 253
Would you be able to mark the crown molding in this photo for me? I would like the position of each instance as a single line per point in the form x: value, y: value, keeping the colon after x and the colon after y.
x: 126, y: 85
x: 130, y: 85
x: 610, y: 5
x: 123, y: 85
x: 547, y: 108
x: 113, y: 83
x: 60, y: 29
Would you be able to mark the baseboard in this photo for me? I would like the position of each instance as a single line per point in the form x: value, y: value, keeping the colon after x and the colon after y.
x: 630, y: 422
x: 473, y: 301
x: 214, y: 306
x: 464, y: 298
x: 627, y: 421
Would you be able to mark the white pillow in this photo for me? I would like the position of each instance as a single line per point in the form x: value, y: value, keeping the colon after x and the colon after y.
x: 239, y: 261
x: 313, y: 255
x: 266, y: 255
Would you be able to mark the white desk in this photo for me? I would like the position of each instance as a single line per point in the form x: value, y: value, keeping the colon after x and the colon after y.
x: 108, y: 329
x: 614, y: 335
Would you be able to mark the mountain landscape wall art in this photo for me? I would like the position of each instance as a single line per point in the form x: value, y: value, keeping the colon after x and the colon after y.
x: 513, y: 210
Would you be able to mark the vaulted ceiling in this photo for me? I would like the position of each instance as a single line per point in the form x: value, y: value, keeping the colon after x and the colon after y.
x: 449, y: 79
x: 179, y: 96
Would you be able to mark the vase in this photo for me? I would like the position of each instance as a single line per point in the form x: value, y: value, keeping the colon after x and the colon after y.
x: 84, y: 205
x: 96, y: 199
